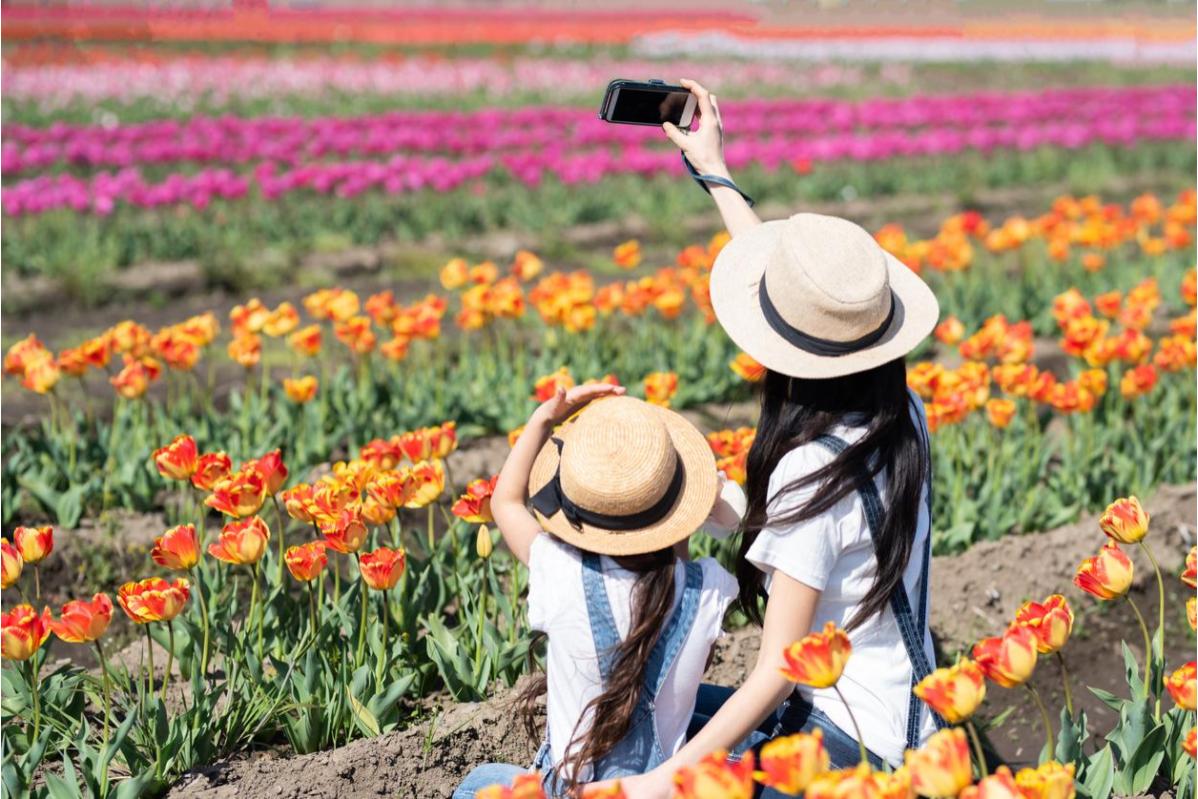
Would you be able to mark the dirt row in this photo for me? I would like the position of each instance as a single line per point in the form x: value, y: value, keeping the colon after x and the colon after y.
x: 973, y: 594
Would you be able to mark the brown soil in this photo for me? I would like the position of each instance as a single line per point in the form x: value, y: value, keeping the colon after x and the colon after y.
x: 974, y: 594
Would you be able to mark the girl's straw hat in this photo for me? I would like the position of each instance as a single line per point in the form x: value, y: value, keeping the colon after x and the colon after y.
x: 624, y: 477
x: 815, y: 296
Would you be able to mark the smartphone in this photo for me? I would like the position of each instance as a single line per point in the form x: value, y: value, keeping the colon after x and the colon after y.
x: 652, y: 102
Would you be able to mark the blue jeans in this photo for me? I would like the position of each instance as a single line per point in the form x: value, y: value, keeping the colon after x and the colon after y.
x: 795, y: 715
x: 485, y: 775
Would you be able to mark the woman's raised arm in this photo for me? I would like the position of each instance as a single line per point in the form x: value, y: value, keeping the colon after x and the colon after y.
x: 704, y: 148
x: 788, y: 616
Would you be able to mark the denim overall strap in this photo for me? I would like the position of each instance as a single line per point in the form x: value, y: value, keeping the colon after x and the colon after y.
x: 911, y: 629
x: 673, y: 636
x: 603, y: 624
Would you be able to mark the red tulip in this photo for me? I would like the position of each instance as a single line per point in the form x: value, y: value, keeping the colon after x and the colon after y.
x: 81, y: 621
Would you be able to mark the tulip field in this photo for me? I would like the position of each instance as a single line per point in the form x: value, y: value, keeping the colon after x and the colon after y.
x: 253, y: 525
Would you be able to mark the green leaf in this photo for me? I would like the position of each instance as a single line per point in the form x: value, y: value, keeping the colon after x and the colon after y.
x: 1071, y: 737
x: 1099, y: 775
x: 59, y: 788
x: 1141, y: 769
x: 1112, y: 701
x: 364, y: 717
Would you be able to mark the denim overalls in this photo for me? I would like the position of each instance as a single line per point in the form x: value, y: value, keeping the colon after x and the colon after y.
x: 640, y: 750
x: 798, y: 714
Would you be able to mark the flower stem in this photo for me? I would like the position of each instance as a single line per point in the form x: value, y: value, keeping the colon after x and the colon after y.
x: 1160, y: 591
x: 281, y: 522
x: 430, y: 530
x: 1147, y: 642
x: 170, y: 655
x: 34, y: 688
x: 1048, y: 733
x: 203, y: 603
x: 1065, y: 682
x: 379, y: 667
x: 254, y: 596
x: 362, y: 626
x: 37, y: 583
x: 977, y: 748
x: 150, y: 654
x: 856, y: 726
x: 107, y: 714
x: 312, y: 607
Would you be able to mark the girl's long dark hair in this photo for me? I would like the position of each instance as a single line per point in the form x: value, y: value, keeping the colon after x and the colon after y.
x: 611, y: 712
x: 795, y: 411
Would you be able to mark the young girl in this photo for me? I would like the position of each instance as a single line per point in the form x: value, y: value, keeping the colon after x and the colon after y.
x: 616, y: 491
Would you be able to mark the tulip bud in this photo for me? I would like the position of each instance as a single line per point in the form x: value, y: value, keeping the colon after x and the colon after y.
x: 954, y: 692
x: 483, y: 544
x: 10, y: 564
x: 1008, y: 659
x: 1125, y: 521
x: 999, y: 785
x: 1190, y: 575
x: 22, y: 632
x: 1192, y: 612
x: 1181, y: 686
x: 1049, y: 780
x: 1107, y: 575
x: 818, y: 659
x: 790, y: 763
x: 716, y: 775
x: 81, y: 621
x: 34, y: 543
x: 942, y: 766
x: 1051, y: 622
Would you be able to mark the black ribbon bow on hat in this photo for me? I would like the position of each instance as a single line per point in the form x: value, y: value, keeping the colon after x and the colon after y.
x: 551, y: 499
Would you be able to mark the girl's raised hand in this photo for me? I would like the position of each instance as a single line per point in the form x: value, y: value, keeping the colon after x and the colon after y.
x: 564, y: 403
x: 704, y: 147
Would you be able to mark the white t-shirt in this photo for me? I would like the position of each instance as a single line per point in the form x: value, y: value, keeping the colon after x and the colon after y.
x: 557, y: 606
x: 834, y: 554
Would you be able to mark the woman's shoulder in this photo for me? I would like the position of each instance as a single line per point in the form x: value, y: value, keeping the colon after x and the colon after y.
x: 800, y: 461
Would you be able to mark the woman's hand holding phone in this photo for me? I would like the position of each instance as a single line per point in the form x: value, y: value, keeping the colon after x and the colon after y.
x: 704, y: 148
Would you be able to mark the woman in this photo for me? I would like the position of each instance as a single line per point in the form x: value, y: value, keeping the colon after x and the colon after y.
x: 838, y: 522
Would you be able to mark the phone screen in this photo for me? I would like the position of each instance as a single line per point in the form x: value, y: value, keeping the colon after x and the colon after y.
x: 648, y: 106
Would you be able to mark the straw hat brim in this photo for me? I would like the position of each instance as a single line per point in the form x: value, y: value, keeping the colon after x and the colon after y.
x: 735, y: 279
x: 699, y: 489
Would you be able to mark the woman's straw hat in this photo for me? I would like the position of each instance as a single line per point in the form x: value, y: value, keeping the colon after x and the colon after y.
x: 624, y: 477
x: 836, y: 304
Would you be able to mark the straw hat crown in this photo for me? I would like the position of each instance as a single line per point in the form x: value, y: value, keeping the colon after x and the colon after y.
x: 620, y: 458
x: 832, y: 281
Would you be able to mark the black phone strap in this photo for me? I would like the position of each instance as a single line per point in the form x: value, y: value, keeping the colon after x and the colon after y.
x: 703, y: 180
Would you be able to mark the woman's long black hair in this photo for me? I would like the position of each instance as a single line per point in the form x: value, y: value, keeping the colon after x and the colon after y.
x: 795, y: 411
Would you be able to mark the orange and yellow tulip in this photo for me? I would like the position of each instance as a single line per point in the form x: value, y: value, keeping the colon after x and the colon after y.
x: 1138, y: 380
x: 239, y: 495
x: 1049, y: 780
x: 272, y: 470
x: 547, y: 385
x: 475, y: 505
x: 790, y: 763
x: 716, y: 777
x: 627, y: 255
x: 1181, y: 686
x: 1190, y: 575
x: 954, y: 692
x: 153, y: 599
x: 1124, y: 520
x: 1107, y: 575
x: 82, y: 621
x: 1008, y: 659
x: 178, y: 549
x: 941, y: 767
x: 242, y: 542
x: 11, y: 564
x: 211, y: 468
x: 1192, y: 612
x: 1000, y: 412
x: 999, y: 785
x: 950, y: 331
x: 300, y: 389
x: 1190, y: 744
x: 346, y: 533
x: 524, y: 786
x: 660, y: 388
x: 428, y: 481
x: 818, y: 658
x: 22, y: 632
x: 1050, y: 621
x: 306, y: 341
x: 382, y: 568
x: 306, y: 561
x: 178, y: 459
x: 749, y: 370
x: 34, y: 543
